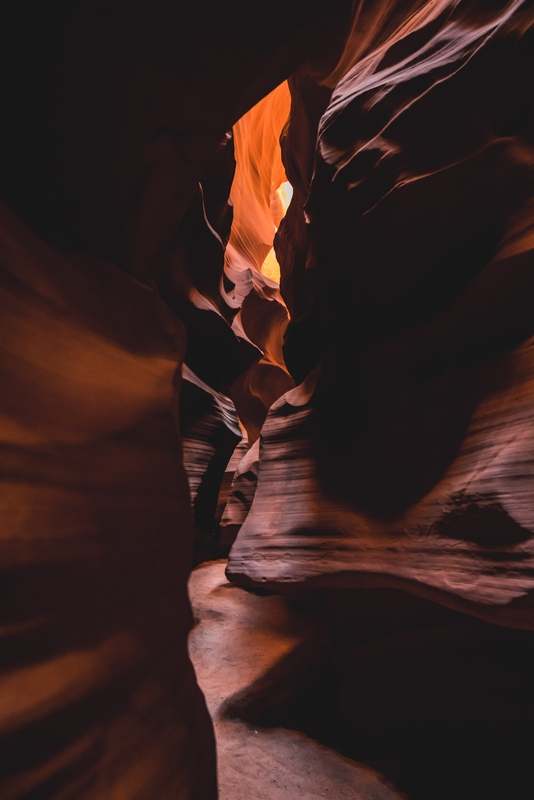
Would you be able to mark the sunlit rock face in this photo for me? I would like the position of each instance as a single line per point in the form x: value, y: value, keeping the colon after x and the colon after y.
x: 259, y: 198
x: 223, y: 283
x: 404, y: 460
x: 256, y: 197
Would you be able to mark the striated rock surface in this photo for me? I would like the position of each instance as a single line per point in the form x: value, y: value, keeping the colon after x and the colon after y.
x: 256, y: 195
x: 263, y: 319
x: 405, y: 459
x: 259, y: 200
x: 303, y: 344
x: 113, y: 113
x: 241, y: 495
x: 98, y: 696
x: 402, y: 463
x: 210, y: 433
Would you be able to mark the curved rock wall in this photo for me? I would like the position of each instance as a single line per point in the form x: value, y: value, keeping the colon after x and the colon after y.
x: 259, y: 204
x: 403, y: 461
x: 112, y: 115
x: 98, y: 695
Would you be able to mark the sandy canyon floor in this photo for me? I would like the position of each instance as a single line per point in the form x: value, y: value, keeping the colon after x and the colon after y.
x: 239, y: 640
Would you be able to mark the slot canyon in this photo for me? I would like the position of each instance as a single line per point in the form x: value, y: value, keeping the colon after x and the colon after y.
x: 267, y: 400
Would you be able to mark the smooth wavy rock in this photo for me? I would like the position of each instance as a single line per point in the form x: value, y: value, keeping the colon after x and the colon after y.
x: 303, y: 347
x: 110, y: 125
x: 263, y: 320
x: 98, y: 697
x: 241, y: 495
x: 259, y: 174
x: 408, y: 462
x: 467, y: 544
x: 210, y: 433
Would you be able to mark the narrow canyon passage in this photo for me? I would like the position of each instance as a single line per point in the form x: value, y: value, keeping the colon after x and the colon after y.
x: 267, y: 400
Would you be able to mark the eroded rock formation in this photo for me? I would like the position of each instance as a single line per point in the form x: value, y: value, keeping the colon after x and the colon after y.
x: 392, y: 486
x: 210, y: 432
x: 98, y: 695
x: 403, y: 459
x: 112, y: 115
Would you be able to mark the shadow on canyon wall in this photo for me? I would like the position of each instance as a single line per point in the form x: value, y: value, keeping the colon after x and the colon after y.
x: 439, y: 703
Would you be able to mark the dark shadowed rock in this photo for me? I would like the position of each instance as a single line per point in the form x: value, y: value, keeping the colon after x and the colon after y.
x: 420, y: 213
x: 210, y: 433
x: 241, y: 495
x: 112, y: 114
x: 98, y: 695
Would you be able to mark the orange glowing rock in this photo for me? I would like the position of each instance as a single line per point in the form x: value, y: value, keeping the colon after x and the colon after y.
x: 260, y: 191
